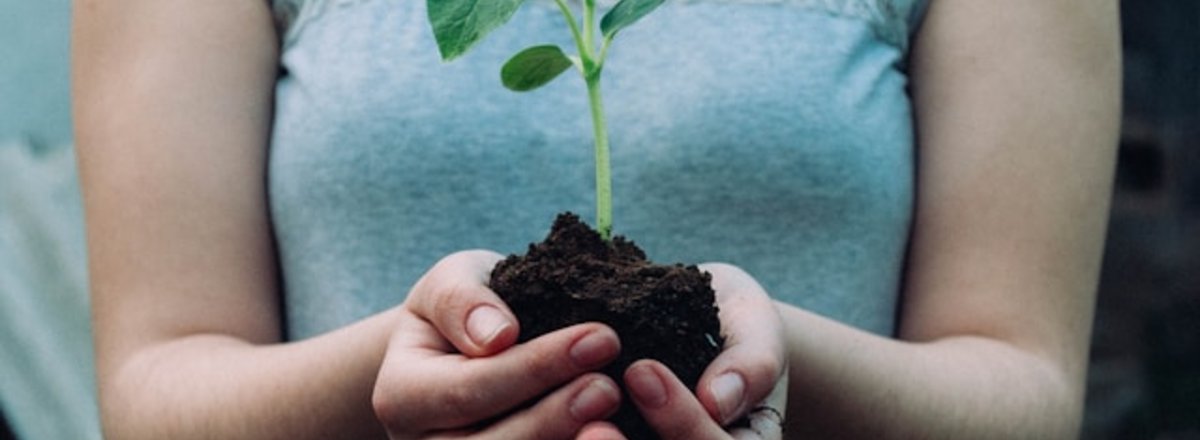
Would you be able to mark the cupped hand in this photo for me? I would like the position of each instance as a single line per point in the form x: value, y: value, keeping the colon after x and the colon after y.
x: 452, y: 371
x: 747, y: 378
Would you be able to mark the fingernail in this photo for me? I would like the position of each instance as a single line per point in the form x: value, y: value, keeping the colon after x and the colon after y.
x: 594, y: 350
x: 595, y: 401
x: 728, y: 389
x: 484, y: 323
x: 645, y: 386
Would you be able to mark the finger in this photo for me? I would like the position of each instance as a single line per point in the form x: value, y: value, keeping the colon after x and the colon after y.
x: 563, y: 413
x: 767, y: 418
x: 442, y: 392
x: 600, y: 431
x: 453, y: 296
x: 752, y: 361
x: 766, y: 422
x: 667, y: 405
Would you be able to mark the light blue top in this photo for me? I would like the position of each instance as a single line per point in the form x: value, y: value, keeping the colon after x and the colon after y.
x: 774, y: 135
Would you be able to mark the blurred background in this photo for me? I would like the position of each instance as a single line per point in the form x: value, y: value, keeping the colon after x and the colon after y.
x: 1144, y: 381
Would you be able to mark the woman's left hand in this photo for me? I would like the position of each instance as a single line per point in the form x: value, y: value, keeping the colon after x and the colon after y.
x: 748, y: 377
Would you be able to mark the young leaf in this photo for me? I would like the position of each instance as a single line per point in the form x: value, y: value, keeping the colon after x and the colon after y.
x: 533, y: 67
x: 459, y: 24
x: 625, y: 13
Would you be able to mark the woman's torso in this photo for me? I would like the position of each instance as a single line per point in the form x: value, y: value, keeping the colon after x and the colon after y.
x: 774, y: 135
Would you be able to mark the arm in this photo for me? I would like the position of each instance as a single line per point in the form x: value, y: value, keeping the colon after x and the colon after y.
x: 1017, y: 108
x: 172, y: 110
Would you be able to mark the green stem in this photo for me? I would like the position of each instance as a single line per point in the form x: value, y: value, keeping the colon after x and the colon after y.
x: 603, y: 178
x: 591, y: 67
x: 604, y: 49
x: 589, y: 27
x: 566, y: 11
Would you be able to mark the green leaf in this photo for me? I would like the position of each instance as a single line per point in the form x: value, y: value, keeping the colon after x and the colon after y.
x: 625, y: 13
x: 459, y: 24
x: 534, y: 67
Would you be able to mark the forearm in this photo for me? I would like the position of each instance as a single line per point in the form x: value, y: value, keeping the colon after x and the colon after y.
x: 847, y: 383
x: 214, y: 386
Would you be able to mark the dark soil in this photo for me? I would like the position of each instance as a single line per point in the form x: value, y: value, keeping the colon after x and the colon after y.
x: 667, y: 313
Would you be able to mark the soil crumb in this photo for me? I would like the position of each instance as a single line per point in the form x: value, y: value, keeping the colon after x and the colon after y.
x: 662, y: 312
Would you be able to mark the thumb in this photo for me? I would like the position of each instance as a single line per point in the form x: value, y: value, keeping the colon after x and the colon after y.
x: 753, y: 361
x: 453, y: 296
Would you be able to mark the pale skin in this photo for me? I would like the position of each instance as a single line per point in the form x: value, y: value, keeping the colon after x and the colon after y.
x: 1016, y: 106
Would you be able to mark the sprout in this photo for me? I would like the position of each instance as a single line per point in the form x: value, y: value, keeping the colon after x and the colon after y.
x: 460, y: 24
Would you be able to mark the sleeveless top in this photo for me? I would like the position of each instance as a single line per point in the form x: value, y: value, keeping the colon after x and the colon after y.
x: 776, y: 135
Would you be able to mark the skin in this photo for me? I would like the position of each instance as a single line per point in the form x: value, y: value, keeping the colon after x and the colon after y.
x: 1018, y: 138
x: 1016, y: 105
x: 186, y: 311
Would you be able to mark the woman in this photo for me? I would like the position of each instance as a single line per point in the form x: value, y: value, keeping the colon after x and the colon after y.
x: 253, y: 230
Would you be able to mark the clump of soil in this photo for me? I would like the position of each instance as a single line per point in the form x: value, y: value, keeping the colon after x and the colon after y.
x: 662, y: 312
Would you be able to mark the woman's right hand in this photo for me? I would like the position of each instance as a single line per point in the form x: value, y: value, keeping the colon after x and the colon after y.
x: 452, y: 369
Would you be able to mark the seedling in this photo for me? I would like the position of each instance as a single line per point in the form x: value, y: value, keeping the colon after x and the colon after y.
x: 459, y: 24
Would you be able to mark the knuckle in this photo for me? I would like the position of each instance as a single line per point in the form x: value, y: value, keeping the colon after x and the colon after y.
x: 764, y: 369
x: 449, y: 299
x: 452, y: 281
x: 443, y: 270
x: 531, y: 372
x: 540, y: 359
x: 547, y: 419
x: 424, y: 291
